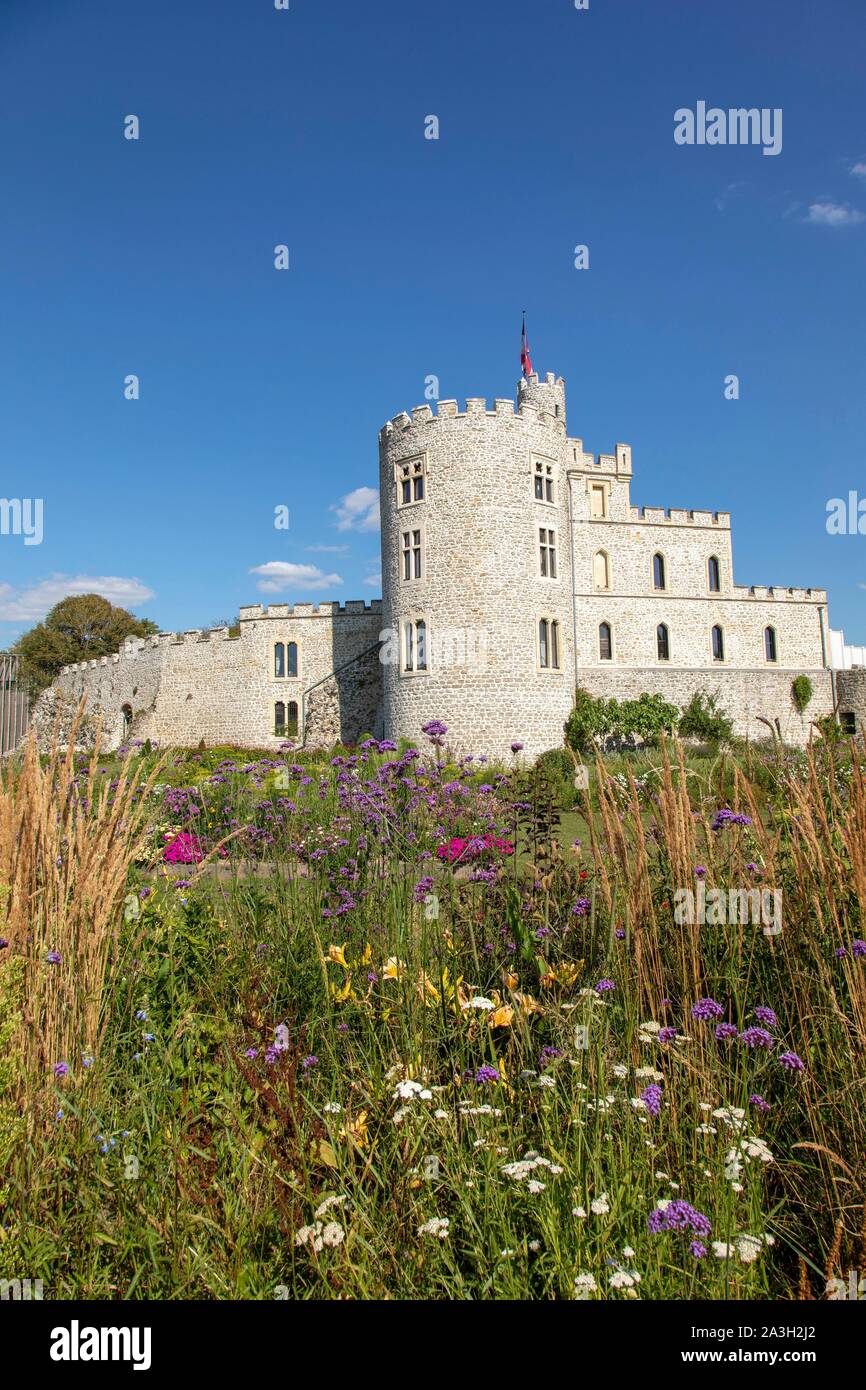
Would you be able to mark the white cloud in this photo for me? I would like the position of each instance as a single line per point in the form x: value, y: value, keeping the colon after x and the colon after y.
x: 31, y: 605
x: 358, y: 510
x: 278, y: 575
x: 834, y: 215
x: 859, y: 169
x: 326, y: 549
x: 374, y: 581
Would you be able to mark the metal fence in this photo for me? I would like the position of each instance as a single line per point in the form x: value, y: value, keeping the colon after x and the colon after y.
x: 13, y: 704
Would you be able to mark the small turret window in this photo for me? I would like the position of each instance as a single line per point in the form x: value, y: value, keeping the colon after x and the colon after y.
x: 605, y: 642
x: 412, y: 548
x: 663, y: 646
x: 718, y: 643
x: 414, y: 645
x: 770, y: 643
x: 713, y: 575
x: 659, y: 572
x: 411, y: 482
x: 544, y: 481
x: 547, y: 552
x: 548, y: 644
x: 285, y: 660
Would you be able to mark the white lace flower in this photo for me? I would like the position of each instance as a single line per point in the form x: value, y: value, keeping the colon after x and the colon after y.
x: 437, y: 1226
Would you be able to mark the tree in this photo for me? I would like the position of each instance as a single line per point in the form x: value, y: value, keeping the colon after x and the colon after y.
x: 76, y: 629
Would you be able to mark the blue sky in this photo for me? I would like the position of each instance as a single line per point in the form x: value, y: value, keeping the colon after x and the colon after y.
x: 411, y: 257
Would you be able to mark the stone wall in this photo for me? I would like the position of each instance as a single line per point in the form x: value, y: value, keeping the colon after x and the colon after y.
x: 744, y: 695
x: 851, y: 696
x: 185, y: 687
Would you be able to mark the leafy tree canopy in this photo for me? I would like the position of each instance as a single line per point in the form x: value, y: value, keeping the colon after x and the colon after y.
x: 79, y: 628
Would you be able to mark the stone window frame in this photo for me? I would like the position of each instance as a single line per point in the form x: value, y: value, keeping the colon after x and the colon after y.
x: 410, y: 469
x: 404, y: 529
x: 544, y: 470
x: 718, y: 660
x: 603, y: 487
x: 663, y: 569
x: 708, y: 573
x: 290, y: 726
x: 554, y: 645
x: 770, y: 631
x: 663, y: 660
x: 605, y: 622
x: 548, y: 553
x: 412, y: 620
x: 848, y: 722
x: 287, y: 674
x: 601, y: 588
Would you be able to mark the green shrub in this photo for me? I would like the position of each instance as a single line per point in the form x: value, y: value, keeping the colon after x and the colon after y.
x: 558, y: 766
x: 703, y: 718
x: 801, y: 692
x: 647, y: 717
x: 590, y: 720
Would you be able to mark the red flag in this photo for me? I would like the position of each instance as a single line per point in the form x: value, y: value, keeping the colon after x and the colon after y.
x: 525, y: 359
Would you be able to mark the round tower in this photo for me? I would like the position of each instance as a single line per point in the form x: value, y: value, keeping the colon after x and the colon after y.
x: 476, y: 571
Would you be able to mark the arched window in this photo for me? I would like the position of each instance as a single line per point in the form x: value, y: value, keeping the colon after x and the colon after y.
x: 601, y: 570
x: 663, y: 647
x: 713, y: 575
x: 279, y: 660
x: 770, y: 643
x: 718, y: 644
x: 279, y: 717
x: 409, y: 647
x: 421, y: 635
x: 605, y: 642
x: 658, y: 571
x: 292, y: 663
x: 292, y: 718
x: 554, y: 645
x: 126, y: 715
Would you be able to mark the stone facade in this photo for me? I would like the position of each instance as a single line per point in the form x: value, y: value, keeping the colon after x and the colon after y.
x: 514, y: 568
x: 180, y: 688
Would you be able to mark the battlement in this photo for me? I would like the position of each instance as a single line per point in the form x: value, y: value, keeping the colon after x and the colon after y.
x: 134, y: 646
x: 681, y: 516
x: 618, y: 463
x: 477, y: 408
x: 255, y: 612
x: 760, y: 591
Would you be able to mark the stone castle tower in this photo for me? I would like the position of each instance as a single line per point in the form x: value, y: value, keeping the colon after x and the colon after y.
x: 461, y: 519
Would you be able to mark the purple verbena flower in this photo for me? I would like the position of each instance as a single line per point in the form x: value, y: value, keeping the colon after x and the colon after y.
x: 706, y: 1009
x: 678, y: 1216
x: 757, y: 1037
x: 791, y: 1061
x: 652, y: 1099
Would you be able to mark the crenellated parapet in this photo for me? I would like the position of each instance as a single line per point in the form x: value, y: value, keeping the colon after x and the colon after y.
x: 256, y: 612
x: 681, y: 516
x: 780, y: 594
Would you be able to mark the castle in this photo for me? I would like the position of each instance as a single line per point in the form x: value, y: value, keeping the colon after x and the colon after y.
x: 514, y: 568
